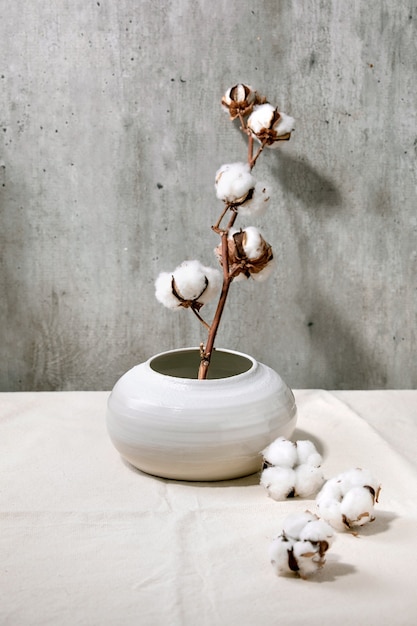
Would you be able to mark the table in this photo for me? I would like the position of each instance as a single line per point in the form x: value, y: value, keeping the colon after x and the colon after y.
x: 85, y: 539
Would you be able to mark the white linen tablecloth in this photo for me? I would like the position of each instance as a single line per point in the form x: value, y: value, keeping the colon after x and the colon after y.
x: 85, y: 539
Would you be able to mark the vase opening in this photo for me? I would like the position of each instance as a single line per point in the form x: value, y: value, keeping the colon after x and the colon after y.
x: 185, y: 364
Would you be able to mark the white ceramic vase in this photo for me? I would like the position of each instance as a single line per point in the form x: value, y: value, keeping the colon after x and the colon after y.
x: 167, y: 423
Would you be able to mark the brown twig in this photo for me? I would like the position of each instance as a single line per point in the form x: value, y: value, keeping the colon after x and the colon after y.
x: 206, y: 352
x: 247, y: 132
x: 197, y: 314
x: 216, y: 227
x: 255, y: 158
x: 250, y: 150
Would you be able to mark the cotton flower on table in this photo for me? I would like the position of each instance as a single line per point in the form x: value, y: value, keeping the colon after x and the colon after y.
x: 249, y: 254
x: 269, y: 126
x: 191, y: 284
x: 301, y: 547
x: 347, y: 500
x: 291, y: 469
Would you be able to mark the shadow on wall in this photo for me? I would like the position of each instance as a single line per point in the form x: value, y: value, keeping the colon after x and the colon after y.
x: 340, y: 358
x: 305, y: 183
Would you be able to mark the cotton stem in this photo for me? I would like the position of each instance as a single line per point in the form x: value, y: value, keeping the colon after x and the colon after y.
x: 247, y: 132
x: 216, y: 227
x: 227, y: 281
x: 254, y: 159
x: 197, y: 314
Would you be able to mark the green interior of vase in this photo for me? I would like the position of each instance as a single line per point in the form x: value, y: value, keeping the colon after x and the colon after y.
x: 185, y: 364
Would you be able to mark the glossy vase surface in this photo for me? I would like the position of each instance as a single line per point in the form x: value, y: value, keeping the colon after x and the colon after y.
x: 167, y: 423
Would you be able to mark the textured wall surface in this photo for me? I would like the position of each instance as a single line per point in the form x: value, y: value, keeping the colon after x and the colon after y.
x: 111, y: 133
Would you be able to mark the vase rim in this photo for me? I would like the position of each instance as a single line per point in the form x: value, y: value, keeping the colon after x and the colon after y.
x: 210, y: 381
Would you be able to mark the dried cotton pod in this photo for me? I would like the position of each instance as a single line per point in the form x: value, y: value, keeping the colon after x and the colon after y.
x: 191, y: 284
x: 249, y: 254
x: 269, y: 126
x: 239, y: 100
x: 347, y: 500
x: 291, y: 469
x: 234, y: 182
x: 357, y: 506
x: 301, y: 547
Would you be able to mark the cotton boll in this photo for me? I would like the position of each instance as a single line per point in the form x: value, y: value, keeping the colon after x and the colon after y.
x: 190, y: 280
x: 307, y: 453
x: 249, y: 253
x: 238, y: 93
x: 295, y: 522
x: 163, y: 291
x: 261, y: 117
x: 281, y: 452
x: 253, y: 243
x: 239, y: 100
x: 301, y: 546
x: 269, y: 126
x: 348, y: 500
x: 278, y: 481
x: 233, y: 182
x: 308, y: 480
x: 357, y: 507
x: 190, y: 283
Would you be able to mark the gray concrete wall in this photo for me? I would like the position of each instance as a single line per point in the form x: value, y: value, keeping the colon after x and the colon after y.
x: 111, y: 133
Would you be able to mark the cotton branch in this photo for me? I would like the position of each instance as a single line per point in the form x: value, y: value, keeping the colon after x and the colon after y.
x: 236, y: 188
x: 242, y: 253
x: 227, y: 281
